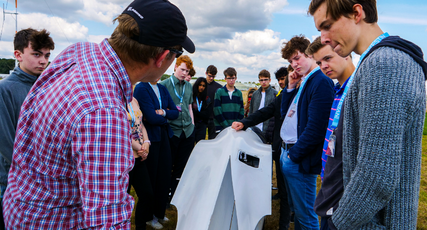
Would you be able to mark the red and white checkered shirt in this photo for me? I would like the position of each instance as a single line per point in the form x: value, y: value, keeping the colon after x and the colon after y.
x: 72, y: 152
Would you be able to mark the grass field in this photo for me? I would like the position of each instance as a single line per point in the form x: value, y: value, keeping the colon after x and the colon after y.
x: 271, y: 222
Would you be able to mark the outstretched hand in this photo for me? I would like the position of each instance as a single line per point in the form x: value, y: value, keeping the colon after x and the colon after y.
x: 237, y: 125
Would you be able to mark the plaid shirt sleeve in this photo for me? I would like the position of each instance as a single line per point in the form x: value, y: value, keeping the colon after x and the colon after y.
x: 102, y: 152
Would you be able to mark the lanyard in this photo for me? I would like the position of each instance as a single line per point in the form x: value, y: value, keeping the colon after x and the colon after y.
x: 159, y: 97
x: 303, y: 84
x: 132, y: 115
x: 176, y: 93
x: 350, y: 80
x: 199, y: 106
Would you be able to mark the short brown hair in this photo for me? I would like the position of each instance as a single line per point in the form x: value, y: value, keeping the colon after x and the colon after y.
x: 212, y: 70
x: 192, y: 72
x: 315, y: 46
x: 264, y: 73
x: 129, y: 49
x: 230, y: 71
x: 39, y: 40
x: 184, y: 59
x: 297, y: 43
x: 336, y: 9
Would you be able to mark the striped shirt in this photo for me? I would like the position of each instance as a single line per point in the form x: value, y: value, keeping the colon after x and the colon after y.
x: 227, y: 110
x: 72, y: 153
x: 339, y: 91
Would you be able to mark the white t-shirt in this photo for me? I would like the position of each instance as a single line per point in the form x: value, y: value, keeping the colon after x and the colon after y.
x: 289, y: 131
x: 261, y: 105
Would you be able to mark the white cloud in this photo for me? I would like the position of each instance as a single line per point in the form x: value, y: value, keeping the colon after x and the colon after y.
x: 6, y: 49
x: 101, y: 11
x: 58, y: 27
x: 249, y: 42
x: 210, y: 20
x: 97, y: 38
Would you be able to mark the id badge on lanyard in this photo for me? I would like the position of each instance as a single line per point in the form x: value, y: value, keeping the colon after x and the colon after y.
x: 330, y: 152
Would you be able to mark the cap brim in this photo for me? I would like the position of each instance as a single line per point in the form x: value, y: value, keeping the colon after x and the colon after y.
x: 188, y: 45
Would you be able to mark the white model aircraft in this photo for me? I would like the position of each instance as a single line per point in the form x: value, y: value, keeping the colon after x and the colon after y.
x: 226, y: 184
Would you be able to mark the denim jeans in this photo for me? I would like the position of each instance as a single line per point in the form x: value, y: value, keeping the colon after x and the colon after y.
x: 301, y: 193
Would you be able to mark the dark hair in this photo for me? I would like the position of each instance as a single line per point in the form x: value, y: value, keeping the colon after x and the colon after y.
x: 264, y: 73
x: 230, y: 71
x: 192, y: 72
x: 315, y: 46
x: 212, y: 70
x: 39, y: 40
x: 297, y: 43
x: 203, y: 94
x: 336, y: 9
x: 282, y: 72
x: 129, y: 49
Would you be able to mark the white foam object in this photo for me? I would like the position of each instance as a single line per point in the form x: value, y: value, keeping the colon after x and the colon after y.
x: 217, y: 191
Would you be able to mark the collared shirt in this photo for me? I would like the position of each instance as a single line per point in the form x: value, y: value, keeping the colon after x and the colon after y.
x: 184, y: 122
x: 339, y: 91
x: 72, y: 153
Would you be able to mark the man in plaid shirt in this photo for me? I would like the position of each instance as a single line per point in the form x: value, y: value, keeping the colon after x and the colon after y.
x: 73, y: 153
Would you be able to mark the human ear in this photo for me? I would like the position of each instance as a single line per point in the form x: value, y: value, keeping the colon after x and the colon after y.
x: 358, y: 13
x: 18, y: 55
x: 160, y: 58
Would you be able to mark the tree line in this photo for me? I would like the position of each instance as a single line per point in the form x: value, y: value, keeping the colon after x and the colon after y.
x: 6, y: 65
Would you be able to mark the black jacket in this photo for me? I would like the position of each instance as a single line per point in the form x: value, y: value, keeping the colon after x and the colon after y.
x: 271, y: 110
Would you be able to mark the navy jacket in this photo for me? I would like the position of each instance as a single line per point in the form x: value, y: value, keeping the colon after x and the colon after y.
x: 149, y: 103
x: 313, y: 110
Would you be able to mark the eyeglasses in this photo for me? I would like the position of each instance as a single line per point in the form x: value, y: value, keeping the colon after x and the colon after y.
x: 210, y: 75
x: 177, y: 52
x: 261, y: 80
x: 230, y: 78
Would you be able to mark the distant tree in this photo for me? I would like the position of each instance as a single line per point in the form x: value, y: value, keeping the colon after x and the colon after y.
x: 165, y: 76
x: 6, y: 65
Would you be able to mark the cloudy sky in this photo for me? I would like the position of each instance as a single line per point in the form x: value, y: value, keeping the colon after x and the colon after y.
x: 245, y: 34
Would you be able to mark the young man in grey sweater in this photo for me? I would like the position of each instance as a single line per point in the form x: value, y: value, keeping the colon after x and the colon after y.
x: 32, y: 50
x: 382, y: 117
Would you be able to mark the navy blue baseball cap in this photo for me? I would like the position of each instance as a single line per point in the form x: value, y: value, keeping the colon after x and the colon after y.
x: 160, y: 23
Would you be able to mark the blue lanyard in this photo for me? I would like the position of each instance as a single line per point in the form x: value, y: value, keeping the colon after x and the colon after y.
x: 132, y: 115
x: 350, y: 80
x: 159, y: 97
x: 199, y: 106
x: 303, y: 84
x: 176, y: 93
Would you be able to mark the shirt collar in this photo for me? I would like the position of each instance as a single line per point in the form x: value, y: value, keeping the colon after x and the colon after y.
x: 176, y: 81
x: 25, y: 77
x: 116, y: 66
x: 340, y: 89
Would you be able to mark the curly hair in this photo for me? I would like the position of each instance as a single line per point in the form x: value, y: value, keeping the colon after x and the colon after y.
x: 297, y: 43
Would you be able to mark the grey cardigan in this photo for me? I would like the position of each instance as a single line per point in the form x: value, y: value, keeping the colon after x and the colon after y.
x: 383, y: 123
x: 270, y: 94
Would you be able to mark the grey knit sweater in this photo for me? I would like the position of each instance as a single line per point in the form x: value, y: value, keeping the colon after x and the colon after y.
x: 383, y: 122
